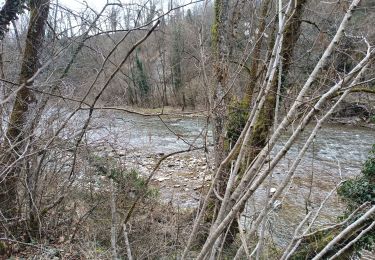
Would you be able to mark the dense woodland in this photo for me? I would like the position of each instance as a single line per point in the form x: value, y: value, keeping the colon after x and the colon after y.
x: 253, y: 71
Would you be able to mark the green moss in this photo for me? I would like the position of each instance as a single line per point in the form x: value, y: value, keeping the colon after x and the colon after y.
x: 314, y: 244
x: 125, y: 179
x: 214, y: 34
x: 134, y: 181
x: 215, y: 26
x: 237, y: 117
x: 3, y: 248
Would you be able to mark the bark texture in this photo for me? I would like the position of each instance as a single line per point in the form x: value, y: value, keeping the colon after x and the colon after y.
x: 17, y: 132
x: 266, y: 117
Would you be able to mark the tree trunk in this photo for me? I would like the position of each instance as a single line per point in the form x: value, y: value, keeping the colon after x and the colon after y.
x: 218, y: 102
x: 266, y: 117
x: 220, y: 48
x: 17, y: 130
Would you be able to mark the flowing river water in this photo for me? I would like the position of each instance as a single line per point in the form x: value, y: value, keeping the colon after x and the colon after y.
x: 336, y: 154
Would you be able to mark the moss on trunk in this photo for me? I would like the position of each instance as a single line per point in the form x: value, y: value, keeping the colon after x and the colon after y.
x: 17, y: 133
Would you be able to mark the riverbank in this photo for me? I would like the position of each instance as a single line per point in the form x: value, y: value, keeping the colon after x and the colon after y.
x: 353, y: 121
x: 360, y: 120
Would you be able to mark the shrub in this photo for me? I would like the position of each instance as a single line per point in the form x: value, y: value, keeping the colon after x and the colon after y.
x: 358, y: 191
x: 355, y: 192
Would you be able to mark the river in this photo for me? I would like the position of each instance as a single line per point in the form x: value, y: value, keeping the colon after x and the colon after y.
x: 337, y: 154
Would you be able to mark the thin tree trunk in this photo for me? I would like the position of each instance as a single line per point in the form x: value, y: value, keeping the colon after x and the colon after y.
x: 113, y: 222
x: 2, y: 87
x: 218, y: 100
x: 127, y: 244
x: 220, y: 47
x: 346, y: 232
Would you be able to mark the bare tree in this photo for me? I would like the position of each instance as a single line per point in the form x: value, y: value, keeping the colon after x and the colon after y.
x: 17, y: 133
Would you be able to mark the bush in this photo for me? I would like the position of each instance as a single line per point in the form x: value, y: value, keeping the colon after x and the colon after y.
x: 362, y: 188
x: 129, y: 182
x: 358, y: 191
x: 355, y: 192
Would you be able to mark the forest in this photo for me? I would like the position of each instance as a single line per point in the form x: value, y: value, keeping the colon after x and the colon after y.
x: 187, y: 129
